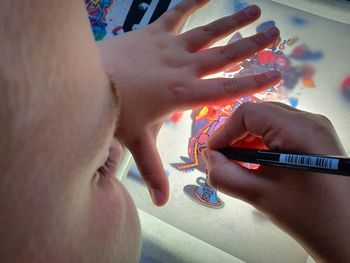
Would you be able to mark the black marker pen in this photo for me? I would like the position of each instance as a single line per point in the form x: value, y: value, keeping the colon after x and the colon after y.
x: 306, y: 162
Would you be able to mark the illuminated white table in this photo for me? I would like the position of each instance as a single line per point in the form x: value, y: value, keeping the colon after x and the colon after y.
x: 184, y: 231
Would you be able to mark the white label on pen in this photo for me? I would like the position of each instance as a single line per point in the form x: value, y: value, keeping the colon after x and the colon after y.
x: 312, y: 161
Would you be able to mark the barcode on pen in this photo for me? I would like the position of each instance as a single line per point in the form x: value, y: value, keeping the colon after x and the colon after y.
x: 311, y: 161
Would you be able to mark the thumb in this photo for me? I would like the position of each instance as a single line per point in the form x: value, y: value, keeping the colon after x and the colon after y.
x: 232, y: 179
x: 149, y: 163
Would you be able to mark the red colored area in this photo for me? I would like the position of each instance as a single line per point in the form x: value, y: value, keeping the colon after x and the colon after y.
x: 345, y: 86
x: 234, y: 68
x: 279, y: 60
x: 308, y: 75
x: 346, y: 83
x: 299, y: 51
x: 265, y: 56
x: 116, y: 30
x: 176, y: 117
x: 203, y: 138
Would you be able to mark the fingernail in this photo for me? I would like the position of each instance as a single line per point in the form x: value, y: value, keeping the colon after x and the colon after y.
x: 157, y: 196
x: 272, y: 33
x: 273, y: 74
x: 252, y: 11
x: 205, y: 156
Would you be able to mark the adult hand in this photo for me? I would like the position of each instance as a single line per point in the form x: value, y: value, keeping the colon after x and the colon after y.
x: 314, y: 208
x: 156, y: 71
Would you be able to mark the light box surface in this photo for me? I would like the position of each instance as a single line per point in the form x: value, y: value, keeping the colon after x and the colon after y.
x: 239, y: 229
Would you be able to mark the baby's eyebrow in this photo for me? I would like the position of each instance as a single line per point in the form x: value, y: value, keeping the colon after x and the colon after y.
x: 116, y: 96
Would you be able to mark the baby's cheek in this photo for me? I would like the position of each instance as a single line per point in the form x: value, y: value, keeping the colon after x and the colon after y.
x: 114, y: 221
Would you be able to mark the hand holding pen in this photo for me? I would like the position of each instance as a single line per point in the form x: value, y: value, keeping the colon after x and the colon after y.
x: 312, y: 207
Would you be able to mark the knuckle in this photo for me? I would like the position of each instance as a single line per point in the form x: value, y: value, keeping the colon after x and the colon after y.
x: 259, y: 39
x: 210, y: 29
x: 228, y: 87
x: 314, y: 126
x: 228, y: 53
x: 178, y: 92
x: 228, y: 132
x: 198, y: 2
x: 279, y: 136
x: 180, y: 8
x: 324, y: 121
x: 277, y: 142
x: 321, y: 124
x: 182, y: 93
x: 238, y: 20
x: 174, y: 63
x: 152, y: 30
x: 316, y: 123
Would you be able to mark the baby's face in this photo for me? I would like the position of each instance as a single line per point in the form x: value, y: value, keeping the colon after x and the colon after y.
x: 107, y: 225
x: 58, y: 114
x: 79, y: 211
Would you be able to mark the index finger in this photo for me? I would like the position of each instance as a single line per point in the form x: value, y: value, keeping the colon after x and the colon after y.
x: 260, y: 119
x: 150, y: 165
x: 173, y: 19
x: 202, y: 37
